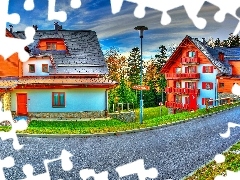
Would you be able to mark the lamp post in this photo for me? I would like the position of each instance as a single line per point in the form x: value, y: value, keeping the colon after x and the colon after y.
x: 141, y: 29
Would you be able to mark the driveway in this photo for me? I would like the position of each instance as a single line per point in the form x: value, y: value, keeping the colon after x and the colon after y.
x: 174, y: 151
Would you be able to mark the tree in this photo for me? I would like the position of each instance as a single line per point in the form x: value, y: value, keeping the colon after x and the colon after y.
x: 115, y: 62
x: 160, y: 57
x: 125, y: 94
x: 150, y: 96
x: 134, y: 65
x: 154, y: 79
x: 233, y: 40
x: 211, y: 42
x: 217, y: 43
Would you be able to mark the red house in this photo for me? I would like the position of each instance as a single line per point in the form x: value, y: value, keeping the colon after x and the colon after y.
x: 196, y: 72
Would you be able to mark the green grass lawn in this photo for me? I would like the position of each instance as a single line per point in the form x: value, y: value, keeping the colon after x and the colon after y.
x: 152, y: 112
x: 212, y: 169
x: 151, y: 118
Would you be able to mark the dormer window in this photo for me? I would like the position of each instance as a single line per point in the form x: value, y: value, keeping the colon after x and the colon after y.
x: 191, y: 54
x: 51, y: 45
x: 31, y: 68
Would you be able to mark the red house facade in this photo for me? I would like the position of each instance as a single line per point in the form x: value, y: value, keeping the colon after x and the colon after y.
x: 196, y: 72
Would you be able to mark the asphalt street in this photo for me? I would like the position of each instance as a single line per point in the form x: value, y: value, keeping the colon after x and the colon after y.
x: 174, y: 151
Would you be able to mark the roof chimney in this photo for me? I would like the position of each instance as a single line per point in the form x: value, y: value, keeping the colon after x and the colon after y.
x: 11, y: 28
x: 57, y: 26
x: 204, y: 41
x: 221, y: 56
x: 35, y: 27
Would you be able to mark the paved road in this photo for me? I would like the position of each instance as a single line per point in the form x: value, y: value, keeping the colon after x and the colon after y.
x: 175, y: 150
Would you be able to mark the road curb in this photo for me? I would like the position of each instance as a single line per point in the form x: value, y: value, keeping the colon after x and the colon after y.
x: 118, y: 132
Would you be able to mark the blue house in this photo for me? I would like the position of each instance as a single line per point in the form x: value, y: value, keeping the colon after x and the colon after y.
x: 66, y: 76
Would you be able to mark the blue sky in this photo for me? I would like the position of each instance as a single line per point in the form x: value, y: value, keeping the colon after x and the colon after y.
x: 118, y: 30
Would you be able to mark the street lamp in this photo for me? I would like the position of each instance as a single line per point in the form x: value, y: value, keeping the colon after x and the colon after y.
x: 141, y: 29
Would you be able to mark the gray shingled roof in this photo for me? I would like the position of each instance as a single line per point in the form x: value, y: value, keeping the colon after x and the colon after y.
x: 85, y: 55
x: 212, y: 55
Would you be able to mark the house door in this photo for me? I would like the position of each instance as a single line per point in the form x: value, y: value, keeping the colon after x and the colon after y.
x: 193, y: 101
x: 22, y: 104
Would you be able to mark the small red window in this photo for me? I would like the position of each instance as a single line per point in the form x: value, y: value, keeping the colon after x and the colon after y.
x: 207, y: 69
x: 205, y: 99
x: 207, y: 85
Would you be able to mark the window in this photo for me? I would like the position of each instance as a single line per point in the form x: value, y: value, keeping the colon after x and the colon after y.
x: 191, y: 69
x: 178, y: 70
x: 44, y: 67
x: 31, y: 68
x: 58, y: 99
x: 177, y: 84
x: 207, y: 69
x: 178, y: 99
x: 207, y: 85
x: 51, y: 46
x: 221, y: 85
x: 191, y: 54
x: 191, y: 85
x: 204, y: 101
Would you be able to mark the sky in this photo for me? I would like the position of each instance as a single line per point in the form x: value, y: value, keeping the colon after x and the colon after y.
x: 117, y: 30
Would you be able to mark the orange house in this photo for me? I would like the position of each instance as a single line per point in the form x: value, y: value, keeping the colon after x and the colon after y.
x: 64, y: 77
x: 12, y: 66
x: 196, y: 72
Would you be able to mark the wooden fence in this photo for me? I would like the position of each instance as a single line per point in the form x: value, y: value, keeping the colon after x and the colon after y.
x: 221, y: 101
x: 121, y: 107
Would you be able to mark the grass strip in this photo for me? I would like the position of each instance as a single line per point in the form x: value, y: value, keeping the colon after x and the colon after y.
x: 152, y: 118
x: 212, y: 169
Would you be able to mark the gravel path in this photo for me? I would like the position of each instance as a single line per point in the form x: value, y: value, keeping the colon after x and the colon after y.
x: 175, y: 150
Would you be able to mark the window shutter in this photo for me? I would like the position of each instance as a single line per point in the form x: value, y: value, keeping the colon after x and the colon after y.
x: 203, y: 85
x: 186, y: 69
x: 211, y: 103
x: 194, y: 85
x: 211, y: 85
x: 203, y: 101
x: 204, y: 69
x: 196, y: 53
x: 186, y: 85
x: 195, y: 69
x: 187, y: 54
x: 211, y: 69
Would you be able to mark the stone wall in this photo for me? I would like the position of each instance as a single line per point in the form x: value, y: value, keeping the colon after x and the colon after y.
x: 6, y: 101
x: 79, y: 115
x: 124, y: 116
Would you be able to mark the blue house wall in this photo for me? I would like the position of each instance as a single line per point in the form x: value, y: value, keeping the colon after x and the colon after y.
x: 207, y: 77
x: 77, y: 100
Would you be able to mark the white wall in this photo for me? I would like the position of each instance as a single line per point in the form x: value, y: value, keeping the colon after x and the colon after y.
x: 38, y: 67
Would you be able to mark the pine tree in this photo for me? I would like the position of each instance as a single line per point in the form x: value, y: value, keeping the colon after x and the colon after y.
x: 233, y: 40
x: 160, y: 58
x: 134, y: 65
x: 217, y: 43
